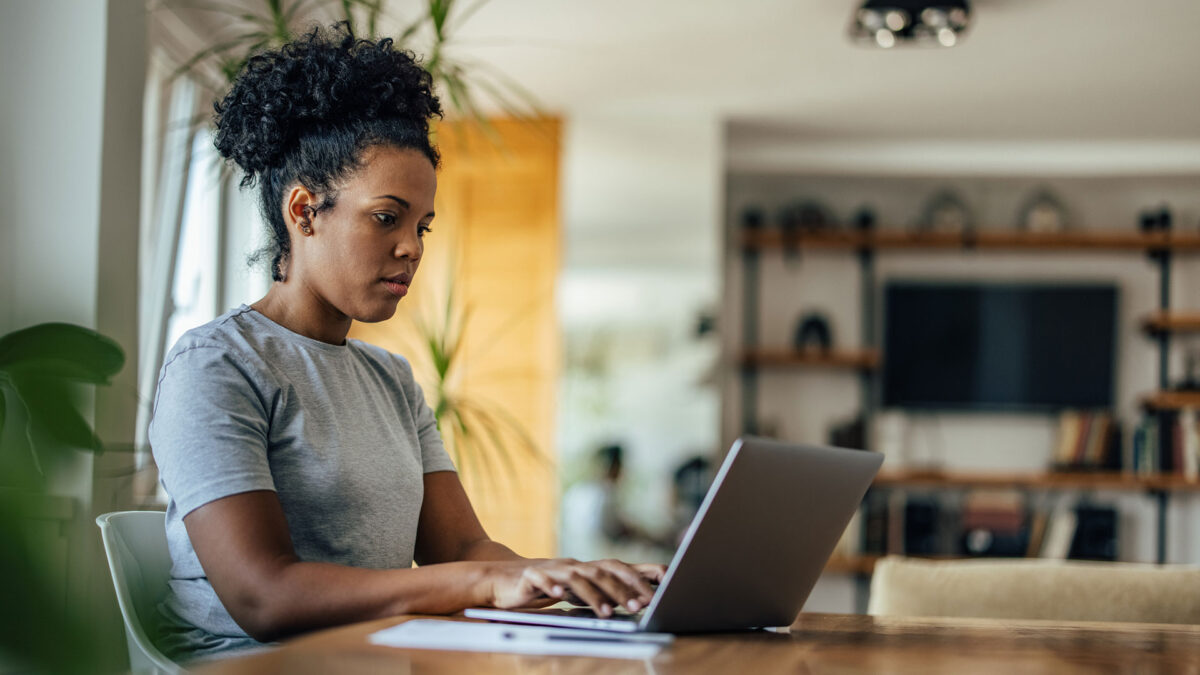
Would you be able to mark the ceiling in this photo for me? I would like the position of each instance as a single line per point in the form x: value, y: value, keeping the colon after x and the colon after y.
x: 1029, y: 70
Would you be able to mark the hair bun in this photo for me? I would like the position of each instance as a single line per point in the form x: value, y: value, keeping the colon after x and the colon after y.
x: 325, y: 80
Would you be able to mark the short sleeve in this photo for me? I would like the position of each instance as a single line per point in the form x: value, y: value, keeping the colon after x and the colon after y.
x: 210, y: 428
x: 433, y: 452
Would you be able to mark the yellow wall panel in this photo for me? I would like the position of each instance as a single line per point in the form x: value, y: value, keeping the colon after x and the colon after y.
x: 497, y: 236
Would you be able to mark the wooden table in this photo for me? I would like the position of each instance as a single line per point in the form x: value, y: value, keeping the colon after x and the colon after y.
x: 816, y: 643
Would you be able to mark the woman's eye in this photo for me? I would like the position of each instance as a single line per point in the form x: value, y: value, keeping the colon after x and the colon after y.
x: 385, y: 218
x: 422, y: 230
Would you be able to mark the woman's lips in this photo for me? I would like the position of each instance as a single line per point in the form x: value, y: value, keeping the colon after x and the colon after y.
x: 396, y: 288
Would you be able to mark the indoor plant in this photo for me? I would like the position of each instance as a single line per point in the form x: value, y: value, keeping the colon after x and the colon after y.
x: 42, y: 369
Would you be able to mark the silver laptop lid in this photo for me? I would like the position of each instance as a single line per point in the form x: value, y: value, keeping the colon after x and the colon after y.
x: 762, y: 536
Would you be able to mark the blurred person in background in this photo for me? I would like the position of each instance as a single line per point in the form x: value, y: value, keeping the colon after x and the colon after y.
x: 594, y: 524
x: 689, y: 485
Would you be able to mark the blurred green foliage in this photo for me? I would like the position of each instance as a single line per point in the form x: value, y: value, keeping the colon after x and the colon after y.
x: 251, y: 26
x: 43, y: 370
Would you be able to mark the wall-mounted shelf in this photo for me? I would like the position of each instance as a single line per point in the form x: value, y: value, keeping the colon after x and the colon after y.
x: 1118, y: 240
x: 1159, y: 484
x: 1172, y: 322
x: 861, y: 359
x: 1160, y: 246
x: 864, y: 565
x: 1051, y: 480
x: 1172, y: 400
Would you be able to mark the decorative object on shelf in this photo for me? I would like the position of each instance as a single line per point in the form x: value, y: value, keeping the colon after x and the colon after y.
x: 886, y: 23
x: 768, y: 428
x: 922, y: 526
x: 849, y: 434
x: 1191, y: 380
x: 946, y: 212
x: 1095, y: 533
x: 1043, y: 212
x: 753, y: 218
x: 1154, y: 220
x: 993, y: 524
x: 864, y: 219
x: 806, y: 216
x: 706, y: 324
x: 813, y: 333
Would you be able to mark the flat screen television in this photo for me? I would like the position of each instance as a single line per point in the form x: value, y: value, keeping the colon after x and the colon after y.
x: 998, y: 346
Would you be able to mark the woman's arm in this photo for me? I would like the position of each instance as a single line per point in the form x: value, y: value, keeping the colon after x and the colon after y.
x: 448, y: 529
x: 244, y: 546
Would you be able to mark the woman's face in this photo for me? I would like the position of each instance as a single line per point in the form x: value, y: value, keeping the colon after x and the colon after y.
x: 361, y: 254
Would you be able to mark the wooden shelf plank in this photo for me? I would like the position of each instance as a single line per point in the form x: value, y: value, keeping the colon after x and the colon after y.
x: 860, y: 359
x: 1052, y: 480
x: 997, y: 238
x: 865, y: 564
x: 1172, y: 322
x: 852, y: 564
x: 1172, y: 400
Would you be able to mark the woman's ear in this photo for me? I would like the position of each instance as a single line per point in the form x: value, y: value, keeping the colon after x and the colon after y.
x: 298, y: 208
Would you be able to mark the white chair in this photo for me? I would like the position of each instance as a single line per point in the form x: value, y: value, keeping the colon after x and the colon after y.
x: 136, y: 545
x: 1052, y: 590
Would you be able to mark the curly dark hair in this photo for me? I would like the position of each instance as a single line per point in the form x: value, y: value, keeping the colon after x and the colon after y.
x: 307, y: 112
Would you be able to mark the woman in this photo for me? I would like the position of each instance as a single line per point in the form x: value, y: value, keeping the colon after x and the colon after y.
x: 304, y: 471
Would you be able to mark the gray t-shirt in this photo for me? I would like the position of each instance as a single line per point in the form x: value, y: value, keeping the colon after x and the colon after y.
x: 342, y: 435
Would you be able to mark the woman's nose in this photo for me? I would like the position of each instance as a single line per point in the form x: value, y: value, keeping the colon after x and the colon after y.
x: 409, y: 245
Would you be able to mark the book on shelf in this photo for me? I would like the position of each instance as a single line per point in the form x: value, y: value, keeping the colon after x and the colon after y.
x: 989, y: 522
x: 1080, y: 532
x: 1087, y: 440
x: 1095, y: 536
x: 850, y: 543
x: 1060, y: 530
x: 1037, y: 533
x: 1167, y: 442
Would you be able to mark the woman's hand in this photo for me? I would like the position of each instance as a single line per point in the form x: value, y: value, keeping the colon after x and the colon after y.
x: 601, y: 584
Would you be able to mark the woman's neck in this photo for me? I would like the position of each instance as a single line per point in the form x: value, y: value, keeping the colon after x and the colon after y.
x: 295, y: 308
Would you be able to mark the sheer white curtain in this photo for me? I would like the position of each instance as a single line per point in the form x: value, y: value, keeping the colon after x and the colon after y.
x: 195, y: 239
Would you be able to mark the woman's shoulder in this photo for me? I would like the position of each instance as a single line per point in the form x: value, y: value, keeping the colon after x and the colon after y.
x: 230, y: 339
x: 381, y: 358
x: 230, y: 332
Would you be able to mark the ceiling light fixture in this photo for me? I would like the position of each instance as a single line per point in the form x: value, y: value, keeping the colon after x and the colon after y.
x: 887, y: 23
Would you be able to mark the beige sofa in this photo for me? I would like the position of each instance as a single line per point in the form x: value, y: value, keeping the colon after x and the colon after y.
x: 1036, y: 589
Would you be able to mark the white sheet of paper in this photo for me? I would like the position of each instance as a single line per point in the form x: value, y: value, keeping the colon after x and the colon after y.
x: 492, y: 637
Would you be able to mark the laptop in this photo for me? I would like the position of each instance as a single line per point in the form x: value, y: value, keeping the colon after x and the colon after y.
x: 755, y: 549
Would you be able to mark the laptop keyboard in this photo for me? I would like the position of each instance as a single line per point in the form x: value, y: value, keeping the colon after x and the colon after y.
x: 618, y: 614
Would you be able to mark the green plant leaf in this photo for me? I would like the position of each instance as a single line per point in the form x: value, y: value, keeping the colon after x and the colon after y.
x: 52, y: 410
x: 290, y: 13
x: 466, y: 14
x: 213, y: 51
x: 410, y: 30
x: 62, y: 350
x: 495, y: 441
x: 439, y: 11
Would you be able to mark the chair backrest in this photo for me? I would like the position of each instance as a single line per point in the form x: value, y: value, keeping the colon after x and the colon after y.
x: 1053, y: 590
x: 136, y: 545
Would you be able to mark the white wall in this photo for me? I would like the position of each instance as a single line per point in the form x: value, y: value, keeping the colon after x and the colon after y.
x: 70, y: 119
x: 641, y: 214
x: 53, y: 85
